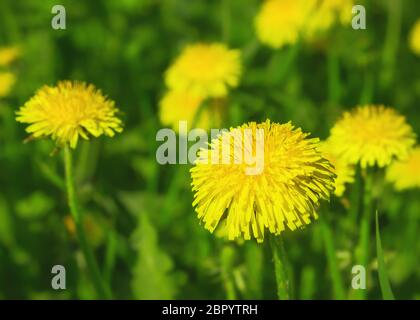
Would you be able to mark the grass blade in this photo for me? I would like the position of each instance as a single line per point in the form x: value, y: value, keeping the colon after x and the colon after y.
x: 383, y: 276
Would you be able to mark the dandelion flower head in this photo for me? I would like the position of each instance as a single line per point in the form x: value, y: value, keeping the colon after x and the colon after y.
x: 406, y: 174
x: 206, y: 70
x: 68, y: 111
x: 178, y: 106
x: 372, y: 135
x: 279, y: 22
x: 287, y: 192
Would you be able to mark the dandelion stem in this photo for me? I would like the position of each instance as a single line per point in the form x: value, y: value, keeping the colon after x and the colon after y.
x: 226, y: 260
x: 102, y: 289
x: 365, y: 226
x: 280, y: 267
x: 226, y: 23
x: 392, y: 39
x: 334, y: 86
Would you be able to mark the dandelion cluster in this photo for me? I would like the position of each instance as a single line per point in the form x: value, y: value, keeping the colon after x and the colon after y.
x: 287, y: 192
x: 372, y: 135
x: 68, y: 111
x: 201, y: 71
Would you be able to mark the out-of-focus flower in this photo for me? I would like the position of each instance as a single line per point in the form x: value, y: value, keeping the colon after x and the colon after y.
x: 287, y: 192
x: 8, y: 55
x: 279, y: 22
x: 206, y: 70
x: 406, y: 174
x: 178, y: 106
x: 282, y: 22
x: 70, y: 110
x: 372, y: 135
x: 344, y: 171
x: 94, y: 228
x: 414, y: 38
x: 7, y: 80
x: 327, y: 13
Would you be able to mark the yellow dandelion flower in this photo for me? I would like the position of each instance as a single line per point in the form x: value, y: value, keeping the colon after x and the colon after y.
x: 345, y: 172
x: 406, y: 174
x: 414, y: 38
x: 372, y: 135
x: 7, y: 80
x: 286, y: 192
x: 279, y: 22
x: 8, y: 55
x: 70, y: 110
x: 178, y: 106
x: 326, y: 13
x: 206, y: 70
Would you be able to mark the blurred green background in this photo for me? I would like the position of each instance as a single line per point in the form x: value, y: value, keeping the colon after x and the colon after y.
x: 147, y: 239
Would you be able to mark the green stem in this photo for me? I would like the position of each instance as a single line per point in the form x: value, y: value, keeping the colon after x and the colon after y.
x: 280, y: 267
x: 226, y: 261
x: 282, y: 62
x: 356, y: 198
x: 102, y: 289
x: 335, y: 274
x: 334, y: 87
x: 365, y: 226
x: 226, y: 23
x: 392, y: 40
x: 368, y: 89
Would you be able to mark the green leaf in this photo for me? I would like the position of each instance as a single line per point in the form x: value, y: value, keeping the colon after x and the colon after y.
x: 152, y: 272
x: 153, y: 275
x: 36, y: 205
x: 383, y: 276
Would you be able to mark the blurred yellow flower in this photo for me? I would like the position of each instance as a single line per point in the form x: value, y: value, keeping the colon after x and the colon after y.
x: 7, y: 80
x: 8, y: 55
x: 406, y: 174
x: 294, y: 179
x: 206, y: 70
x: 372, y: 135
x: 326, y: 13
x: 279, y: 22
x: 178, y: 106
x: 414, y: 38
x: 344, y: 171
x: 70, y: 110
